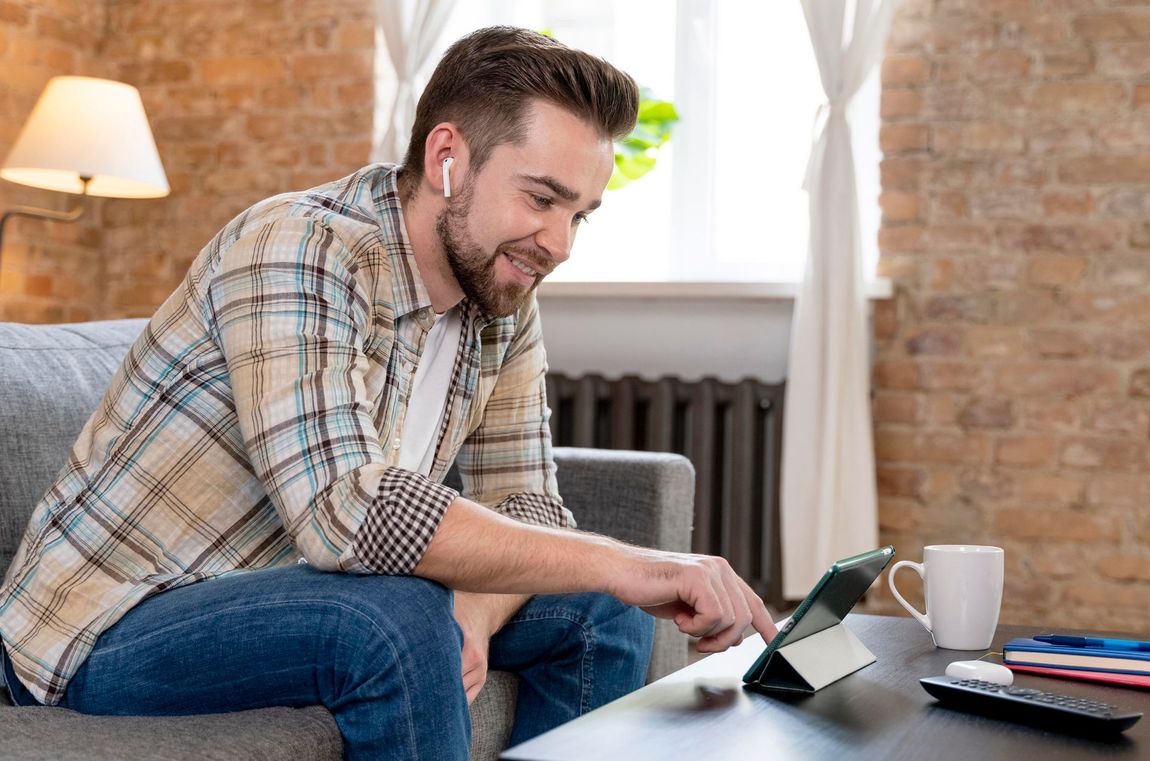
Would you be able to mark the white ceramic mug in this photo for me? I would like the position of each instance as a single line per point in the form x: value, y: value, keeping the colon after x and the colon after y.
x: 963, y: 593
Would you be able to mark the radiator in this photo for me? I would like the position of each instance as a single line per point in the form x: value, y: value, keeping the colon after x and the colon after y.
x: 731, y: 433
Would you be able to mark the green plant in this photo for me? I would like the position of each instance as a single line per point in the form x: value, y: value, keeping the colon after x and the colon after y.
x: 635, y: 154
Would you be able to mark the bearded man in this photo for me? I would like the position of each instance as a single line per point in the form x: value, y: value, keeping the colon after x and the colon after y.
x: 255, y: 514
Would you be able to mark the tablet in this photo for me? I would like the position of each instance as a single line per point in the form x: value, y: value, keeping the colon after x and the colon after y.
x: 828, y: 603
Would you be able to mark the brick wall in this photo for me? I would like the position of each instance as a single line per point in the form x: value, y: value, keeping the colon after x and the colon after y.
x: 50, y: 271
x: 1012, y: 382
x: 246, y: 100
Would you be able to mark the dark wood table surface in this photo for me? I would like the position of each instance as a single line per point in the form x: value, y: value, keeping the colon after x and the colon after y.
x: 879, y: 712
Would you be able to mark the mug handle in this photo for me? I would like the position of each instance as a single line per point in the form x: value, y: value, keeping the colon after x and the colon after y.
x: 923, y: 618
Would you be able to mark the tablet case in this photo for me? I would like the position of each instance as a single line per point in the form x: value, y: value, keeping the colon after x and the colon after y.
x: 815, y: 661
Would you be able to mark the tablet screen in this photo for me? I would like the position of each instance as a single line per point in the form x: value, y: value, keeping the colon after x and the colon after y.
x: 829, y: 601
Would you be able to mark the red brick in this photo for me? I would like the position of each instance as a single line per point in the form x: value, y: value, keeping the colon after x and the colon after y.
x: 1112, y: 595
x: 896, y: 374
x: 1053, y: 524
x: 1120, y: 417
x: 902, y: 138
x: 1140, y: 383
x: 1102, y: 454
x: 1023, y: 451
x: 896, y: 407
x: 950, y: 204
x: 244, y: 70
x: 330, y: 66
x: 940, y: 447
x: 905, y: 70
x: 987, y: 413
x: 1069, y: 238
x: 1067, y: 63
x: 901, y: 173
x: 900, y: 104
x: 1064, y: 343
x: 13, y: 13
x: 1107, y: 170
x: 967, y: 307
x: 900, y: 206
x: 1060, y: 138
x: 1077, y: 97
x: 989, y: 272
x: 1113, y: 26
x: 938, y: 341
x: 1010, y: 64
x: 941, y: 408
x: 899, y: 239
x: 1123, y: 61
x: 899, y: 481
x: 1064, y: 379
x: 1026, y: 307
x: 1125, y: 567
x: 991, y: 137
x: 955, y: 375
x: 1055, y: 270
x: 1109, y: 308
x: 884, y: 319
x: 1048, y: 489
x: 1124, y: 345
x: 1068, y: 204
x: 1118, y: 491
x: 986, y: 341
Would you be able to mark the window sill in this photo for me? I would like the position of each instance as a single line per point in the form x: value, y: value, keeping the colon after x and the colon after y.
x: 877, y: 289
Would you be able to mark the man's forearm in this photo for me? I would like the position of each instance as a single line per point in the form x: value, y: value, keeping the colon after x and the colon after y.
x: 477, y: 550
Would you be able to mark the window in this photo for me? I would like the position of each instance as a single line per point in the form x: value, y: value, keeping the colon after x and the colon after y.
x: 725, y: 200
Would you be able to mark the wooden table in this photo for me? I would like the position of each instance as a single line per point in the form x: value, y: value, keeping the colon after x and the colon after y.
x: 880, y: 712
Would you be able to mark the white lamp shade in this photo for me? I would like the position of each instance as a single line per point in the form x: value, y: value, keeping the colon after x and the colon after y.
x: 86, y: 127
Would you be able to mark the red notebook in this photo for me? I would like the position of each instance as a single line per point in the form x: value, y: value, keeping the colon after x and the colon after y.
x: 1129, y: 680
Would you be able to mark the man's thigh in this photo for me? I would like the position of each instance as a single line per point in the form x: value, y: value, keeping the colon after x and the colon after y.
x: 288, y: 636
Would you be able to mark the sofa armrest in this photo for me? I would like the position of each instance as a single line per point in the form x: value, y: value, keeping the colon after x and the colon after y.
x: 644, y: 498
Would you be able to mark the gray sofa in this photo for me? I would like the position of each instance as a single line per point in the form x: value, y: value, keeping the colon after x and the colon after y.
x: 53, y: 376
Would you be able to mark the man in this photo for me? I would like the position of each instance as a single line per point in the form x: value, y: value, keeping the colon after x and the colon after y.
x: 254, y: 516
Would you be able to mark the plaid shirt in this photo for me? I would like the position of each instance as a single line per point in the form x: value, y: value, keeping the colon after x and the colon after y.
x: 258, y: 420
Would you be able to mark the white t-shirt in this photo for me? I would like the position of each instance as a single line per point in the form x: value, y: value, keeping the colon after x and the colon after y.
x: 429, y: 393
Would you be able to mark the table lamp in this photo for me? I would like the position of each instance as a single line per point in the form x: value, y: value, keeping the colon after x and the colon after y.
x: 86, y: 136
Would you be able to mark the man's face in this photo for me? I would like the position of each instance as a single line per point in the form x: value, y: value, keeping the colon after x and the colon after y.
x: 514, y: 221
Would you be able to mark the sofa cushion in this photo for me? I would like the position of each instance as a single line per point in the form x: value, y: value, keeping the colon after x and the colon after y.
x: 56, y: 734
x: 51, y: 379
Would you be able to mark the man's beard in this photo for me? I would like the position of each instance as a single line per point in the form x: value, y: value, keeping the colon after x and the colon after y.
x: 474, y: 268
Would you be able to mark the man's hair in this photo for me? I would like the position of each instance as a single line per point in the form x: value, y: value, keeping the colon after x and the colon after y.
x: 487, y: 80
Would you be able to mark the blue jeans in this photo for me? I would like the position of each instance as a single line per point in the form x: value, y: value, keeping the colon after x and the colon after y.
x: 382, y: 653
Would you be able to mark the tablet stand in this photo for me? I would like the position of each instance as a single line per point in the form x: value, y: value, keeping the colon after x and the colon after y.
x: 815, y: 661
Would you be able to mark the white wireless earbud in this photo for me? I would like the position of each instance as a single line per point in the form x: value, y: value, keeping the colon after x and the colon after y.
x: 447, y: 162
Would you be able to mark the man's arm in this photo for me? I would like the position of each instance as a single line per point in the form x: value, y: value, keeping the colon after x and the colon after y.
x: 700, y: 593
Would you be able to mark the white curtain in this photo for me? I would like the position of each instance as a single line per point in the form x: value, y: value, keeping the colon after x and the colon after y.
x: 828, y: 486
x: 410, y: 29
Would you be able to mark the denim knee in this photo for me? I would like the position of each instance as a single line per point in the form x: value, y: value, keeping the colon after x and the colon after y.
x: 397, y: 621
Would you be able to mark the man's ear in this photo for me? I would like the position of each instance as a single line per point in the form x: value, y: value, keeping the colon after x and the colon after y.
x: 444, y: 142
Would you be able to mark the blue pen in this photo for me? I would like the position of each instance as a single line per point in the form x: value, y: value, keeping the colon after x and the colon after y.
x: 1097, y: 642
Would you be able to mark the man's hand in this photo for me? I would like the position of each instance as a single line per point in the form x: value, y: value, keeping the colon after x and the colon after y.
x: 700, y: 593
x: 479, y: 617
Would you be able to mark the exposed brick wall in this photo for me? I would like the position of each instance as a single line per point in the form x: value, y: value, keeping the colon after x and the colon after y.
x: 49, y: 271
x: 246, y: 100
x: 1012, y: 382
